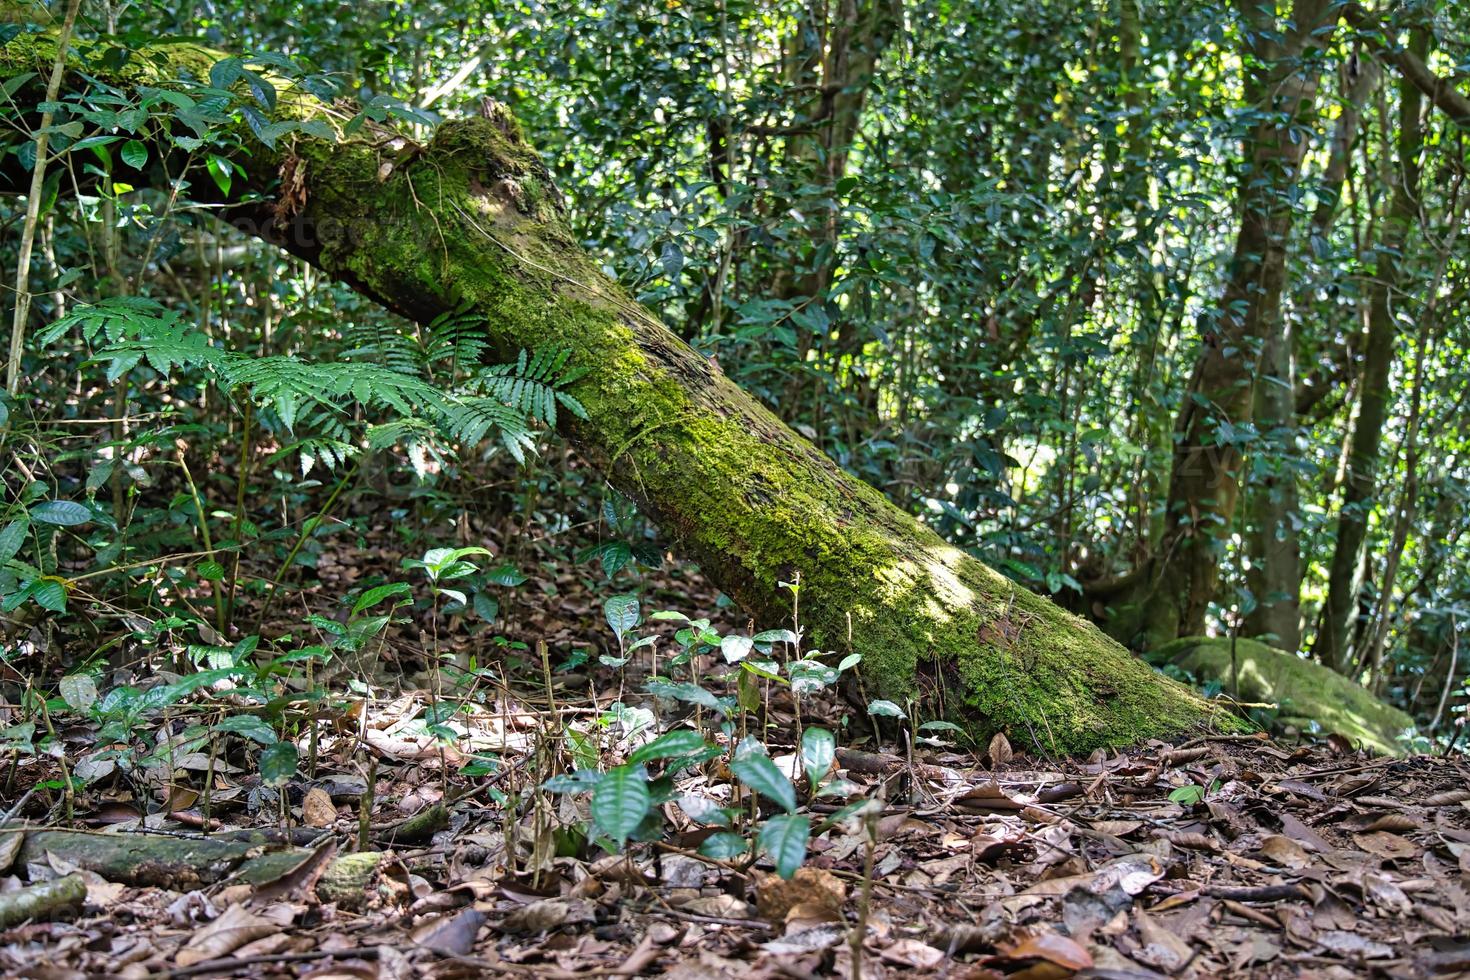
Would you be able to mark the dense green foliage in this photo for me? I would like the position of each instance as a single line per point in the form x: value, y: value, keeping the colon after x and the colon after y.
x: 980, y: 254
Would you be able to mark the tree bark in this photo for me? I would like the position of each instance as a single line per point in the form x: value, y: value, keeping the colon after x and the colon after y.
x: 472, y: 218
x: 1218, y: 409
x: 1360, y: 484
x: 1274, y: 525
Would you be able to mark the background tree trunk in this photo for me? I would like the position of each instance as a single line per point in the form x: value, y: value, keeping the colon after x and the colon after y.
x: 1274, y: 528
x: 1218, y: 408
x: 1360, y: 484
x: 472, y: 218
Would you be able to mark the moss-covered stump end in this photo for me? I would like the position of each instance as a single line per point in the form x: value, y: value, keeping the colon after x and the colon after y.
x: 1307, y: 693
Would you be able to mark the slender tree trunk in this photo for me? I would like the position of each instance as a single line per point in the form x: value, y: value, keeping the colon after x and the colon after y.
x: 472, y: 219
x: 1360, y: 484
x: 1274, y: 525
x: 1220, y: 402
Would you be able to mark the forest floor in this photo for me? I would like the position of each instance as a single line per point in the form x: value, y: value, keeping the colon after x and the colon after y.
x: 1297, y: 862
x: 1221, y: 855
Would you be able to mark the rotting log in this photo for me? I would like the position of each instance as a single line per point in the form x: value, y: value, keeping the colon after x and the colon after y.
x: 164, y: 860
x: 43, y: 900
x: 473, y: 218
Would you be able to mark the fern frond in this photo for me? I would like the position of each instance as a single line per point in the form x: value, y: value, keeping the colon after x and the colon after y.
x: 116, y: 318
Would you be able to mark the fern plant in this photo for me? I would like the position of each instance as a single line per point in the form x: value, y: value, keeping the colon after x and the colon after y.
x: 425, y: 391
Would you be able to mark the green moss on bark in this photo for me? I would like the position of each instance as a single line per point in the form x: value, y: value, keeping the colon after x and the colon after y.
x: 1310, y: 697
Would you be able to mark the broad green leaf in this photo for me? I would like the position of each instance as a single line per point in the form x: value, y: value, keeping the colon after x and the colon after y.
x: 67, y: 513
x: 377, y: 594
x: 134, y: 154
x: 723, y: 846
x: 784, y: 838
x: 818, y: 749
x: 505, y: 575
x: 79, y: 691
x: 670, y: 745
x: 278, y: 763
x: 12, y: 537
x: 210, y: 571
x: 692, y: 693
x: 48, y: 593
x: 248, y: 726
x: 487, y: 606
x: 760, y: 774
x: 886, y: 709
x: 621, y: 612
x: 702, y: 809
x: 810, y: 676
x: 1188, y: 795
x: 621, y: 801
x: 736, y: 648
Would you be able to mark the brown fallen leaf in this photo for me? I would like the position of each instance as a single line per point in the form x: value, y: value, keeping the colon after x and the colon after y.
x: 1000, y: 751
x: 1284, y: 851
x: 718, y: 907
x: 1399, y: 823
x: 236, y: 927
x: 1050, y: 946
x: 1189, y: 840
x: 989, y: 798
x: 1304, y: 835
x: 547, y: 914
x: 1351, y: 944
x: 1159, y: 946
x: 1448, y: 799
x: 1385, y: 845
x: 451, y: 934
x: 912, y: 953
x: 1132, y: 873
x: 317, y: 809
x: 9, y: 848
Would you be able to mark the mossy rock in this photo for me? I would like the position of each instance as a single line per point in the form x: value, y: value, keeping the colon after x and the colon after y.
x: 1306, y: 692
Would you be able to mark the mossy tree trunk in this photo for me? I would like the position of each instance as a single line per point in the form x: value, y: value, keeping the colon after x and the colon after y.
x: 472, y: 218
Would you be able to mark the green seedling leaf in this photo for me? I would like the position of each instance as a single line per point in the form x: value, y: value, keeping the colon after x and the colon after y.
x: 784, y: 838
x: 376, y: 595
x: 702, y: 809
x: 761, y: 774
x: 621, y: 801
x: 692, y: 693
x: 1188, y: 795
x: 278, y: 764
x: 736, y: 648
x: 79, y: 691
x: 12, y: 538
x: 66, y: 513
x: 723, y: 846
x: 818, y: 749
x: 248, y: 726
x: 621, y: 612
x: 670, y: 745
x: 886, y: 709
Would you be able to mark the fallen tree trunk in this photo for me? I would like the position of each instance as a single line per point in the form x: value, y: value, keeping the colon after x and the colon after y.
x: 473, y: 218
